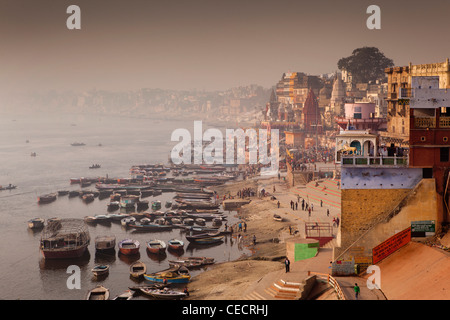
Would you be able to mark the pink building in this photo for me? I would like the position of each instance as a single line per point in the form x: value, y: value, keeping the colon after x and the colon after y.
x: 361, y: 116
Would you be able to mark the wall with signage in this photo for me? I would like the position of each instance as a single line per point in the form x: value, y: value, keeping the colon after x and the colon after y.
x: 388, y: 247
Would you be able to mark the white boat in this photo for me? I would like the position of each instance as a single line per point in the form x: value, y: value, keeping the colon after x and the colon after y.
x: 127, y: 295
x: 103, y: 243
x: 128, y: 220
x: 138, y: 269
x: 100, y: 270
x: 98, y: 293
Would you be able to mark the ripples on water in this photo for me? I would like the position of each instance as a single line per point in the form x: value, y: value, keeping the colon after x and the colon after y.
x: 125, y: 142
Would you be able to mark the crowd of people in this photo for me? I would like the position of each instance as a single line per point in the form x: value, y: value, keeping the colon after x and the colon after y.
x: 303, y: 159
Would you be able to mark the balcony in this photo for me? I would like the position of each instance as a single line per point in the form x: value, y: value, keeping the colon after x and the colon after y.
x: 444, y: 122
x: 375, y: 161
x: 405, y: 93
x: 425, y: 123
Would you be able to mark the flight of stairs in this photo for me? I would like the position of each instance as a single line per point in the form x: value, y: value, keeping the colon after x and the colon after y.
x: 285, y: 290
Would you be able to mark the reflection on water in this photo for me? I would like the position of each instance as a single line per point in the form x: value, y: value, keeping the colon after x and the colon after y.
x: 125, y: 142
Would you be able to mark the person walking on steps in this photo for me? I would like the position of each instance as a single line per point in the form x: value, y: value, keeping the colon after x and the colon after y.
x: 357, y: 291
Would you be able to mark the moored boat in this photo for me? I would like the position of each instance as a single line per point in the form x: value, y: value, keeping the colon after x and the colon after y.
x: 126, y: 221
x: 164, y: 293
x: 171, y: 276
x: 126, y: 295
x: 98, y: 293
x: 206, y: 238
x: 113, y: 205
x: 100, y: 270
x: 156, y: 205
x: 89, y: 197
x: 104, y: 243
x: 129, y: 246
x: 36, y: 223
x: 156, y: 246
x: 64, y: 238
x: 176, y: 244
x: 47, y: 198
x: 138, y: 269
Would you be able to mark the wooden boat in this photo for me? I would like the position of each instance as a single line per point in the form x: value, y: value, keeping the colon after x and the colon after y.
x: 128, y: 220
x: 102, y: 218
x: 36, y: 223
x: 191, y: 262
x: 8, y: 187
x: 47, y: 198
x: 165, y: 293
x: 205, y: 238
x: 126, y: 295
x: 98, y: 293
x: 206, y: 216
x: 100, y: 270
x: 95, y: 166
x: 138, y: 269
x: 74, y: 193
x: 90, y: 219
x: 217, y: 222
x: 169, y: 276
x: 63, y: 192
x: 188, y: 221
x: 200, y: 221
x: 156, y: 246
x: 142, y: 205
x: 156, y: 205
x: 277, y: 217
x: 150, y: 227
x: 103, y: 243
x: 129, y: 246
x: 200, y: 229
x: 115, y: 197
x: 113, y: 205
x: 128, y: 201
x: 77, y: 144
x: 176, y: 244
x: 89, y: 197
x: 64, y: 238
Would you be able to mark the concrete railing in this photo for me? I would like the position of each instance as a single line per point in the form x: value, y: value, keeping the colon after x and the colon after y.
x: 374, y: 161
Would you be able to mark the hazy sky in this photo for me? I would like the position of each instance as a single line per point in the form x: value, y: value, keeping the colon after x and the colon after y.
x: 204, y: 44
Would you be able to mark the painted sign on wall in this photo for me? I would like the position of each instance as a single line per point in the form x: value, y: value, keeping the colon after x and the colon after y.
x: 423, y: 228
x: 343, y: 267
x: 391, y: 245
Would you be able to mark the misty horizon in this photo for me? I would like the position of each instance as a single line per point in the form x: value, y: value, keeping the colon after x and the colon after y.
x: 202, y: 45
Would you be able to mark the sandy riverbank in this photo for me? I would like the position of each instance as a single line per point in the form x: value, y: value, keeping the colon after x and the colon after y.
x: 229, y: 280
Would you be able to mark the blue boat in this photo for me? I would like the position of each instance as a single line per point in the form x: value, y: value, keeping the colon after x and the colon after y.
x: 168, y: 277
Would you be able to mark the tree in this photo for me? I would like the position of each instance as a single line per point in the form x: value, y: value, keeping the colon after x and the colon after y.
x: 366, y: 64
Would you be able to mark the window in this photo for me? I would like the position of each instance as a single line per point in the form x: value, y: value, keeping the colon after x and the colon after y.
x: 444, y: 154
x: 357, y: 115
x: 427, y: 173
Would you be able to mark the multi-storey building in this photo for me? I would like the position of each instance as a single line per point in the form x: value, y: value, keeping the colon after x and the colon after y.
x: 399, y: 81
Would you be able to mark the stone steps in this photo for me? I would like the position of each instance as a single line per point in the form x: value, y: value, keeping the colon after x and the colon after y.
x: 284, y: 290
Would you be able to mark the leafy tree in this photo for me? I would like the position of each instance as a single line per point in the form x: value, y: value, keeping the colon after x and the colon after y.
x: 366, y: 64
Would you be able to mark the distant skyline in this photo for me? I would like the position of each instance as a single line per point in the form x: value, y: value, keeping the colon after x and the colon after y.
x: 203, y: 44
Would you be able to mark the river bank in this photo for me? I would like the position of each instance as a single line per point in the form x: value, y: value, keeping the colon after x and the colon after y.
x: 230, y: 280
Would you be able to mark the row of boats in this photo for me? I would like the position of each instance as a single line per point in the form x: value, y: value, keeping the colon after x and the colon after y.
x: 69, y: 238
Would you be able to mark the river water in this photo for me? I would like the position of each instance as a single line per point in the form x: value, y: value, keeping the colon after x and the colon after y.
x: 25, y: 274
